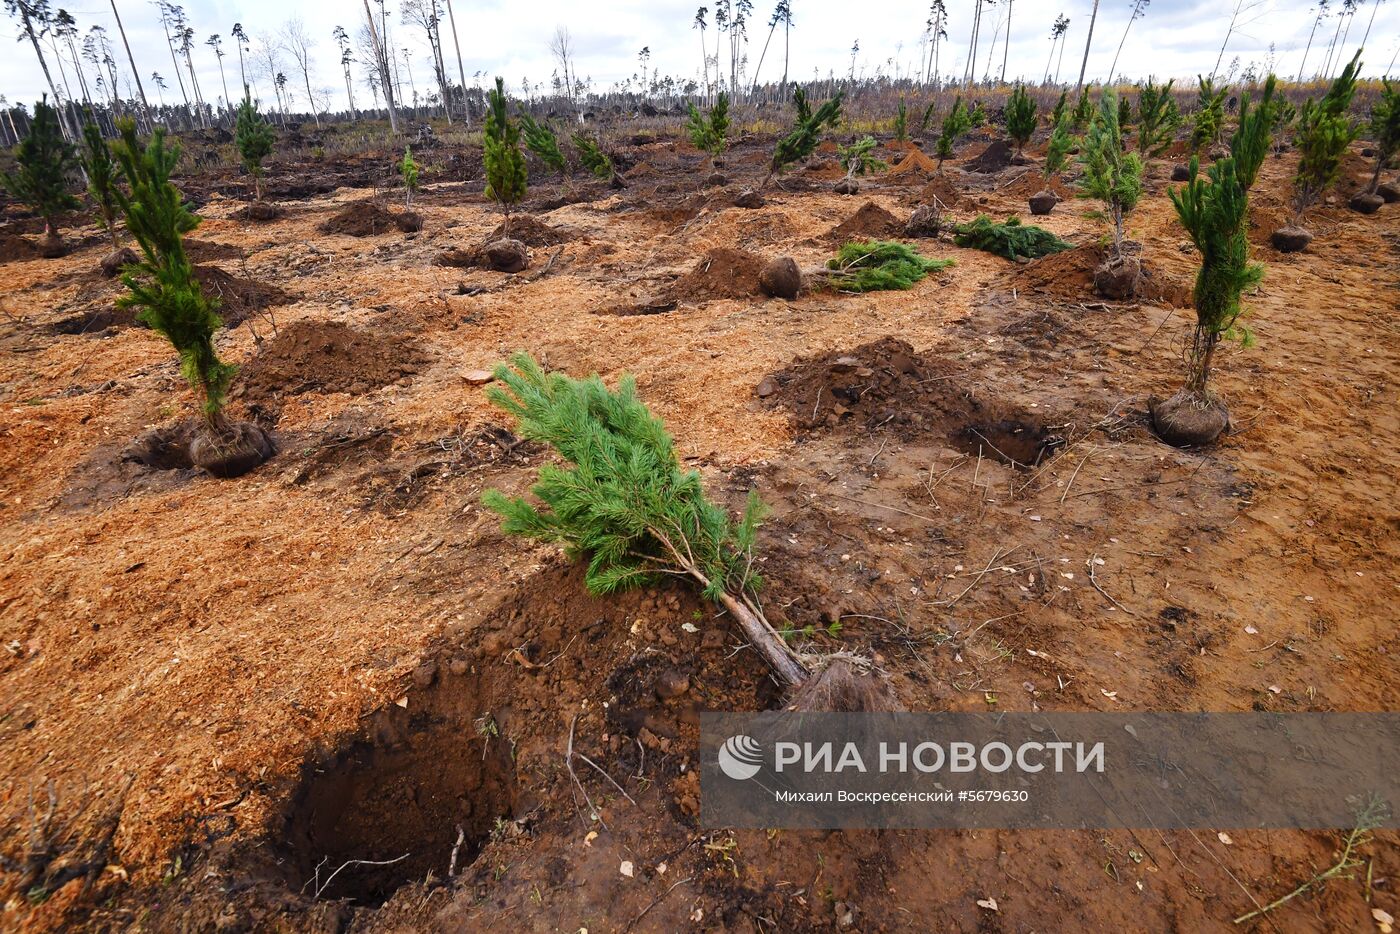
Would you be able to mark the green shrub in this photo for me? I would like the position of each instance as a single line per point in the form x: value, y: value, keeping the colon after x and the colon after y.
x: 856, y: 158
x: 977, y: 116
x: 1083, y: 109
x: 955, y: 123
x: 592, y: 157
x: 927, y: 118
x: 1020, y: 117
x: 163, y: 284
x: 254, y: 137
x: 1209, y: 118
x: 45, y: 161
x: 506, y: 174
x: 409, y: 169
x: 1011, y: 240
x: 1125, y: 111
x: 879, y: 265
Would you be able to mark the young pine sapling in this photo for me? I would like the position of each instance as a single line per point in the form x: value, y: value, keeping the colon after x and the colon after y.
x: 1114, y: 178
x: 541, y: 140
x: 1215, y: 214
x: 103, y: 175
x: 955, y: 123
x: 1020, y: 117
x: 592, y: 157
x: 163, y: 286
x: 1056, y: 155
x: 1385, y: 130
x: 1325, y: 131
x: 1208, y: 121
x: 409, y: 169
x: 901, y: 123
x: 806, y: 133
x: 858, y: 158
x: 710, y: 132
x: 506, y: 175
x: 254, y: 137
x: 1158, y: 118
x: 41, y: 178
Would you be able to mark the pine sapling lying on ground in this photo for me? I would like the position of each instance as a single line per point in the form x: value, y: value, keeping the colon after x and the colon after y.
x: 172, y: 303
x: 1325, y: 131
x: 103, y: 175
x: 879, y: 265
x: 1158, y: 118
x: 1215, y: 214
x: 710, y: 132
x: 1056, y: 155
x: 621, y: 502
x: 540, y: 140
x: 1115, y: 178
x: 254, y: 138
x: 1011, y: 240
x: 41, y: 178
x: 806, y: 132
x: 1020, y: 117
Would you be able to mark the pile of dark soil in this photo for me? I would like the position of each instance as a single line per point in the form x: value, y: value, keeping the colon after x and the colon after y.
x: 360, y: 219
x: 323, y: 357
x: 14, y: 247
x: 205, y: 251
x: 871, y: 221
x: 885, y: 385
x: 530, y: 232
x: 723, y: 273
x: 942, y: 188
x: 238, y: 297
x: 1069, y: 275
x: 996, y: 157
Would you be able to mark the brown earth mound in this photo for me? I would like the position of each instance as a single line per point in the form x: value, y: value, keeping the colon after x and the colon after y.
x: 914, y: 161
x: 942, y: 188
x: 530, y: 232
x: 204, y: 251
x: 870, y: 221
x: 994, y: 158
x: 15, y: 248
x: 886, y: 385
x: 1070, y: 276
x: 723, y: 273
x: 238, y: 297
x: 324, y: 357
x: 360, y: 219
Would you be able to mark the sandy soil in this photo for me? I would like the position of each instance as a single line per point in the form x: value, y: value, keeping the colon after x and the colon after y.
x: 227, y: 689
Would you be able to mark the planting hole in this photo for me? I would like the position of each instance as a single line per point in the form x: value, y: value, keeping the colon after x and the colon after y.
x: 1020, y: 444
x: 387, y: 809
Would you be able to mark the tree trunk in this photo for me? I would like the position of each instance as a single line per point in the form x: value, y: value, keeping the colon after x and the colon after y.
x: 1089, y: 40
x: 461, y: 72
x: 382, y: 53
x: 43, y: 63
x: 787, y: 27
x: 145, y: 107
x: 1306, y: 50
x: 765, y: 641
x: 1006, y: 48
x: 311, y: 101
x: 761, y: 57
x: 1113, y: 69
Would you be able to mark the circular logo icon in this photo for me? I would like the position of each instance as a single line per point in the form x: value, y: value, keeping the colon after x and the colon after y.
x: 740, y: 757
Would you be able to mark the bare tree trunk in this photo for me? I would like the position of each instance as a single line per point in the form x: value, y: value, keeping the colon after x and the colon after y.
x: 1306, y: 50
x: 1059, y: 63
x: 1050, y: 60
x: 145, y: 107
x: 767, y: 642
x: 1088, y: 42
x: 787, y: 29
x: 44, y: 64
x: 762, y: 56
x: 382, y: 52
x: 461, y: 72
x: 1006, y: 49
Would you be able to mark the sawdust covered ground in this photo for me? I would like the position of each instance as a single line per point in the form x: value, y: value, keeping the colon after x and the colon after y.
x: 235, y: 687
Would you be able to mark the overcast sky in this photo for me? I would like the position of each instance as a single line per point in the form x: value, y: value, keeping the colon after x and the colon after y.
x: 1175, y: 38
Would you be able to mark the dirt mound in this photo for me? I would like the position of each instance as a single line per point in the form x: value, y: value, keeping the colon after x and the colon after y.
x: 360, y: 219
x: 16, y: 248
x: 870, y: 221
x: 530, y: 232
x: 886, y: 385
x: 1069, y: 276
x: 1031, y: 181
x: 323, y: 357
x: 942, y: 188
x: 238, y: 297
x: 723, y: 273
x: 914, y: 161
x: 994, y: 158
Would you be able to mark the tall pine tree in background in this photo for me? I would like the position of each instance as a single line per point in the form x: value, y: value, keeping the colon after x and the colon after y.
x: 41, y: 178
x: 505, y: 164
